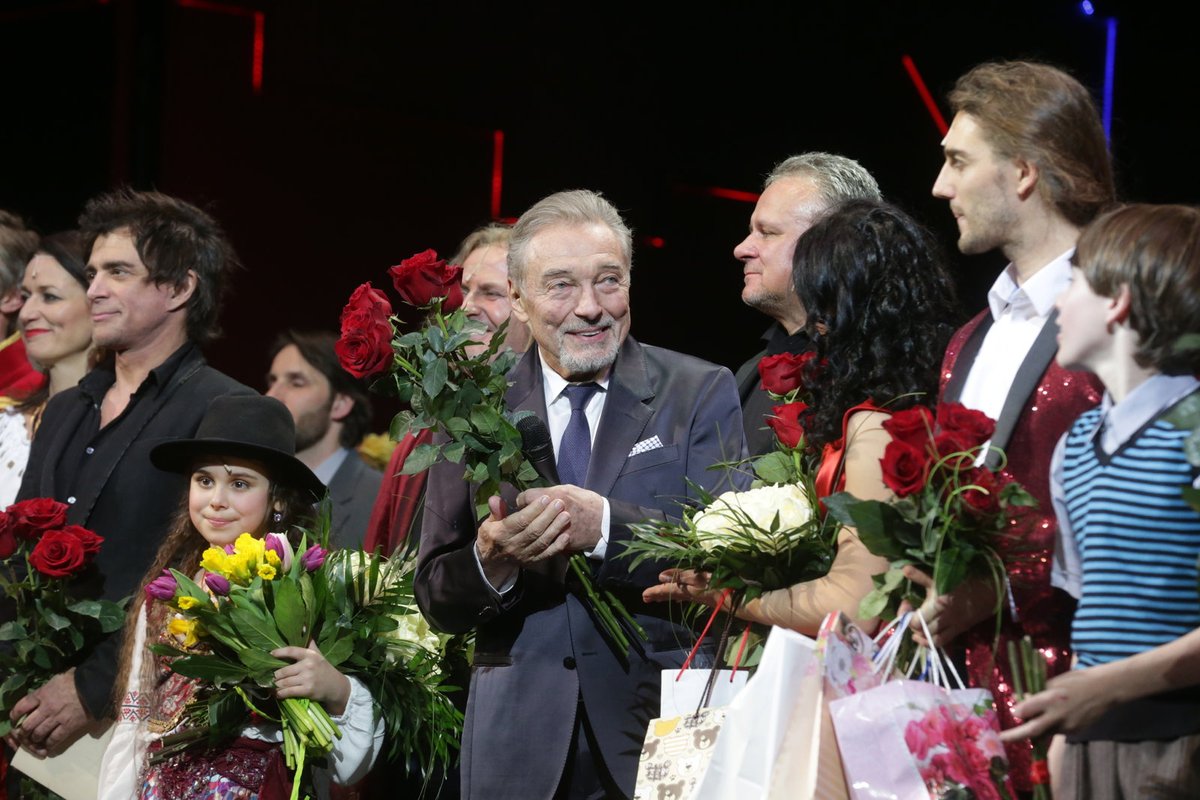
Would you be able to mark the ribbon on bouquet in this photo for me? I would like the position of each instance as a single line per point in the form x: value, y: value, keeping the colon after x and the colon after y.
x: 721, y: 643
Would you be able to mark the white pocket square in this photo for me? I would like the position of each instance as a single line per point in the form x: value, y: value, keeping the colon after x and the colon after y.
x: 645, y: 445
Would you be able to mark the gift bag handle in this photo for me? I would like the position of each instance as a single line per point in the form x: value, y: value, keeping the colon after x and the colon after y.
x: 937, y: 667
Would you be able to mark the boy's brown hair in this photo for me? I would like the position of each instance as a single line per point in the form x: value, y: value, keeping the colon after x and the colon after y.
x: 1155, y: 251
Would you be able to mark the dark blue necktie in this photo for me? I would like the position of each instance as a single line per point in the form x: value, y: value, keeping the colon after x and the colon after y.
x: 575, y: 448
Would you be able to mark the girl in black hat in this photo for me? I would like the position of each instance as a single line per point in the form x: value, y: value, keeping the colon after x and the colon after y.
x: 243, y: 477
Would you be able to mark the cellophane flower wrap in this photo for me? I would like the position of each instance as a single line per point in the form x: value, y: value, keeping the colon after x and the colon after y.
x: 456, y: 393
x: 258, y: 595
x: 770, y: 536
x: 44, y: 563
x: 947, y: 515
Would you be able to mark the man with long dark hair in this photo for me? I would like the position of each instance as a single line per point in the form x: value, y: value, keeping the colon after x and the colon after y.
x: 1026, y: 167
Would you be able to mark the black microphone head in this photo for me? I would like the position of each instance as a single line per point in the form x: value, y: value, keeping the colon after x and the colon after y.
x: 535, y: 437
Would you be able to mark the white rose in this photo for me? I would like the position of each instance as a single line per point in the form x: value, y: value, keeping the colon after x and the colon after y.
x: 411, y: 629
x: 733, y: 511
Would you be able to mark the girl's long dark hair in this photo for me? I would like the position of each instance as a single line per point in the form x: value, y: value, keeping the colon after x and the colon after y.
x: 881, y: 307
x: 182, y: 549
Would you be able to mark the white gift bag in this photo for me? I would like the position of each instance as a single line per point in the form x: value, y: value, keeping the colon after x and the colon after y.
x: 757, y: 720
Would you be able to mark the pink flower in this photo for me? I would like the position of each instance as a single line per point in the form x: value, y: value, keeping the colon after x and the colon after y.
x: 162, y: 587
x: 217, y: 584
x: 313, y: 558
x: 282, y: 547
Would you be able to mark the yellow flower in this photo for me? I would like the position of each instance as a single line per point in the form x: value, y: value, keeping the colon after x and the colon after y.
x: 376, y: 449
x: 266, y: 572
x: 248, y: 546
x: 272, y: 558
x: 186, y: 630
x: 187, y: 603
x: 215, y: 560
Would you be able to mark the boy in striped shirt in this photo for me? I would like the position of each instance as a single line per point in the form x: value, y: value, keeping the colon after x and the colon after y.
x: 1128, y: 715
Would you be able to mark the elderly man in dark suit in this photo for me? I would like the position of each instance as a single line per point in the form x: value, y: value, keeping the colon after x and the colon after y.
x: 554, y: 711
x: 332, y: 412
x: 157, y: 268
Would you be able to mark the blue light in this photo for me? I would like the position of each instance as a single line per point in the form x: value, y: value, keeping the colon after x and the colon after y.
x: 1087, y: 7
x: 1110, y: 69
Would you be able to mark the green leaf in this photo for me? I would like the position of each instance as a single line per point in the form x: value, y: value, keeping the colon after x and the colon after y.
x: 260, y: 662
x: 12, y: 632
x: 1191, y: 496
x: 339, y: 650
x: 873, y: 605
x: 55, y: 620
x: 110, y: 615
x: 485, y: 419
x: 454, y: 452
x: 254, y: 626
x: 421, y: 458
x: 774, y: 467
x: 879, y: 526
x: 434, y: 379
x: 210, y: 668
x: 290, y: 616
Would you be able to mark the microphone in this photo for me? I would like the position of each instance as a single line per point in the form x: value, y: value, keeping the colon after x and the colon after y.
x: 538, y: 448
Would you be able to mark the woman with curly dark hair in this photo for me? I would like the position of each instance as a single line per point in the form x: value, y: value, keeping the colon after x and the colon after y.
x: 880, y: 308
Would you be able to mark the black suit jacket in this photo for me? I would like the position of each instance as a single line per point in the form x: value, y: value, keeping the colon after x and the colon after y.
x: 125, y: 498
x: 538, y: 652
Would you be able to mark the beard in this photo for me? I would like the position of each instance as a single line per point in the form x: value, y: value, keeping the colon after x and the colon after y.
x: 311, y: 426
x: 581, y: 359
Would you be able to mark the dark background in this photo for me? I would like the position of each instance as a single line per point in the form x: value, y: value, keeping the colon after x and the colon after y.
x: 371, y: 137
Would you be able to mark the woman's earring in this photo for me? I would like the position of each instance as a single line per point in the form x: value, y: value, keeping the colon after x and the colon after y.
x: 277, y: 517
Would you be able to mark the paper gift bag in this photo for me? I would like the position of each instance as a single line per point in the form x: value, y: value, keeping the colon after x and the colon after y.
x: 684, y: 690
x: 911, y: 740
x: 757, y: 720
x: 73, y: 773
x: 675, y: 754
x: 809, y: 764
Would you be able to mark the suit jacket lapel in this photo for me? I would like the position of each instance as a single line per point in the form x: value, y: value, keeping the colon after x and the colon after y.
x: 1045, y: 346
x: 58, y: 444
x: 624, y: 419
x: 966, y: 358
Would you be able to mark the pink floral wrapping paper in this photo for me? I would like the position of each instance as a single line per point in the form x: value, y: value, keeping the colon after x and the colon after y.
x: 911, y: 740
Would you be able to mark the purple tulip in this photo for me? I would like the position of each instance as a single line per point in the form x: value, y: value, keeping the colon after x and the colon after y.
x: 282, y: 547
x: 162, y: 587
x: 216, y: 584
x: 230, y: 549
x: 313, y: 558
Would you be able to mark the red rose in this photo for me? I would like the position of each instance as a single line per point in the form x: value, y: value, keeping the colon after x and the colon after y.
x: 784, y: 372
x: 973, y: 426
x: 90, y: 540
x: 785, y: 421
x: 905, y: 468
x: 420, y: 279
x: 984, y: 501
x: 949, y: 443
x: 58, y: 554
x: 29, y: 519
x: 8, y: 542
x: 913, y: 426
x: 365, y: 346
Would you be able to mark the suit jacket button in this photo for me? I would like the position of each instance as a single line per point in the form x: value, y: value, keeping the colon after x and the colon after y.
x: 569, y: 662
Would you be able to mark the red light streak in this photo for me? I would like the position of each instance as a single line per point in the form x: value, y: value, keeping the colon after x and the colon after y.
x: 926, y: 97
x: 731, y: 194
x: 497, y: 171
x: 260, y: 20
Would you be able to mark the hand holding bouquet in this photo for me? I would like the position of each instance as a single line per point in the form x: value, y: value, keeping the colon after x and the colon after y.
x: 51, y: 629
x: 947, y: 513
x: 259, y: 596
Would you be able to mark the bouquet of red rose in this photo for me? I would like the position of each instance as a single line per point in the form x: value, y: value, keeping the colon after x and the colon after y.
x: 50, y: 629
x: 459, y: 394
x: 948, y: 513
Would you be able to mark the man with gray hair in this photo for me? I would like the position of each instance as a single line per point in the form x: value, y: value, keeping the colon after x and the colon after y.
x: 18, y: 378
x: 795, y: 195
x: 556, y: 709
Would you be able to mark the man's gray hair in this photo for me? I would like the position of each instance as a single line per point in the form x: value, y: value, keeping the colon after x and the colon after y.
x: 837, y: 178
x: 575, y: 207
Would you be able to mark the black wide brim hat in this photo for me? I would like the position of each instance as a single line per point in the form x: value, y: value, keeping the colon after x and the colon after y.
x: 243, y: 426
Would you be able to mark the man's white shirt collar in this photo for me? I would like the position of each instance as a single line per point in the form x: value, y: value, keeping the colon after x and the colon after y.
x: 1037, y: 296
